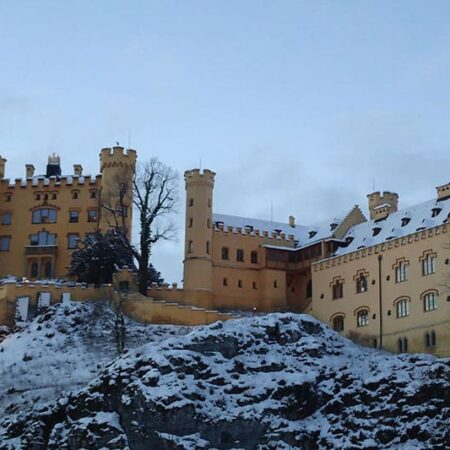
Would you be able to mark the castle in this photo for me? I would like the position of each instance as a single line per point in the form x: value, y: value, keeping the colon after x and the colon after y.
x: 42, y: 216
x: 383, y: 281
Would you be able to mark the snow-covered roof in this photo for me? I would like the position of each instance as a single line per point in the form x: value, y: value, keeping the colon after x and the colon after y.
x: 401, y: 223
x: 304, y: 235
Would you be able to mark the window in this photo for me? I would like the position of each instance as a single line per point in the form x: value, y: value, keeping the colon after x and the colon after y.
x: 75, y: 195
x: 338, y: 323
x: 207, y: 247
x: 338, y: 289
x: 45, y: 196
x: 225, y: 253
x: 254, y: 257
x: 401, y: 272
x: 208, y: 223
x: 4, y: 243
x: 48, y: 269
x: 93, y: 194
x: 430, y: 301
x: 362, y: 318
x: 240, y: 283
x: 402, y: 307
x: 402, y: 345
x: 191, y: 202
x: 275, y: 283
x: 376, y: 231
x: 430, y: 339
x: 37, y: 196
x: 428, y: 265
x: 190, y: 247
x: 405, y: 221
x: 6, y: 218
x: 209, y: 203
x: 92, y: 215
x: 240, y: 255
x: 309, y: 289
x: 254, y: 285
x: 191, y: 222
x: 43, y: 238
x: 91, y: 237
x: 225, y: 281
x: 44, y: 215
x: 361, y: 284
x: 74, y: 216
x: 8, y: 197
x: 34, y: 270
x: 123, y: 211
x: 435, y: 212
x: 72, y: 240
x: 53, y: 198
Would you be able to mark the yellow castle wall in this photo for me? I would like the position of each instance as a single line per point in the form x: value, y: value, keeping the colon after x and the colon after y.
x: 414, y: 326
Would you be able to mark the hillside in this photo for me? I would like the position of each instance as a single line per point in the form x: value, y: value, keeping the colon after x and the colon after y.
x: 63, y: 349
x: 274, y: 382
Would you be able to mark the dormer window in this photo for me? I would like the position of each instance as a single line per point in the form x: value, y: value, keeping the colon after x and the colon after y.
x: 405, y: 221
x: 349, y: 240
x: 312, y: 234
x: 376, y: 231
x: 435, y: 212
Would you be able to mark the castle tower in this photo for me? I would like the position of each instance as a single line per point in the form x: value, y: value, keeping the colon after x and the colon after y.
x: 117, y: 167
x: 2, y: 167
x: 380, y: 204
x: 198, y: 230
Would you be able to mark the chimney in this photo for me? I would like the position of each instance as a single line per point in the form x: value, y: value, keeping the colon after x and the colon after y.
x: 53, y: 166
x: 292, y: 221
x: 442, y: 191
x: 381, y: 205
x: 29, y: 169
x: 2, y: 167
x: 78, y: 170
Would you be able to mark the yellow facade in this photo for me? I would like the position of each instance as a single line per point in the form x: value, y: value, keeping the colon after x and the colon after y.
x: 42, y: 216
x: 247, y: 264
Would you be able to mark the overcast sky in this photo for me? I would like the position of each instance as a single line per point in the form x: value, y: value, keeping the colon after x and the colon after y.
x: 297, y: 103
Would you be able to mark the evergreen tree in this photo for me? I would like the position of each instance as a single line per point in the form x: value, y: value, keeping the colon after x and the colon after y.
x: 98, y: 258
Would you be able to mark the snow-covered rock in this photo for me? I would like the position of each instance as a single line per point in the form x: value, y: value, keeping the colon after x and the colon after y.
x: 282, y: 381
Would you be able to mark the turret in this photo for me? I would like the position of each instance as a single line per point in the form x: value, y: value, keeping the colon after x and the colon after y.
x: 199, y: 231
x: 2, y: 167
x: 381, y: 205
x: 117, y: 167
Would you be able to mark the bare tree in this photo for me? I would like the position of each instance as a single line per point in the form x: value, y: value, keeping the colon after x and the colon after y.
x: 155, y: 189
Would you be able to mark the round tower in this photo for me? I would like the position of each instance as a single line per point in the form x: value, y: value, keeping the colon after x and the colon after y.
x: 198, y: 230
x: 117, y: 167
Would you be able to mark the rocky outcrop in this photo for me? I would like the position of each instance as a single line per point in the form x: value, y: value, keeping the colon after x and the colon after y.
x: 273, y: 382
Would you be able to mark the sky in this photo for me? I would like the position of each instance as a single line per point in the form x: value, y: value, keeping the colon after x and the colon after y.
x: 303, y: 105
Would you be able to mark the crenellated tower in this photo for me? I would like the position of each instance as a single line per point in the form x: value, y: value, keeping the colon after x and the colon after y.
x: 198, y: 230
x: 117, y: 167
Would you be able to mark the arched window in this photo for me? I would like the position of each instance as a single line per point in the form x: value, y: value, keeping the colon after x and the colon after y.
x: 402, y: 345
x: 309, y: 289
x: 401, y: 271
x: 430, y: 339
x: 48, y: 269
x: 402, y: 307
x: 337, y: 289
x: 428, y: 263
x: 338, y: 323
x: 44, y: 215
x: 361, y: 284
x: 34, y: 270
x: 430, y: 300
x: 362, y: 318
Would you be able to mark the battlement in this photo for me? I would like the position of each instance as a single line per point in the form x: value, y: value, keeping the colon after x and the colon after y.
x: 196, y: 176
x: 117, y: 156
x: 377, y: 199
x: 52, y: 182
x: 252, y: 232
x: 443, y: 191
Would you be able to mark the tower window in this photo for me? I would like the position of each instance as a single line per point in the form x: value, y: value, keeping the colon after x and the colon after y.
x: 191, y: 202
x: 93, y: 194
x: 309, y: 289
x: 240, y: 284
x: 275, y: 283
x: 75, y: 195
x: 54, y: 196
x: 225, y: 281
x: 254, y: 257
x: 191, y: 222
x: 8, y: 197
x: 254, y: 285
x: 225, y: 253
x: 208, y: 223
x: 240, y: 255
x: 207, y: 247
x: 190, y: 246
x: 209, y: 203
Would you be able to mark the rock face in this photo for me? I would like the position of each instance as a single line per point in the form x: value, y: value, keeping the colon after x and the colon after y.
x: 274, y: 382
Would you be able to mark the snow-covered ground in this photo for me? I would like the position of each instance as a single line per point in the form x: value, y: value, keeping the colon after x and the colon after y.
x: 62, y: 350
x: 281, y: 381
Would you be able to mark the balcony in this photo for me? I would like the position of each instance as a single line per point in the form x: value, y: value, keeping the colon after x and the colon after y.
x: 40, y: 250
